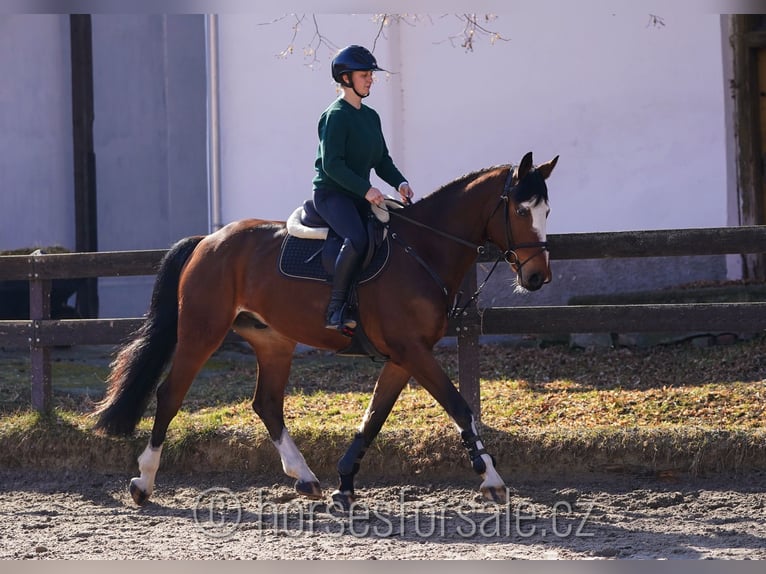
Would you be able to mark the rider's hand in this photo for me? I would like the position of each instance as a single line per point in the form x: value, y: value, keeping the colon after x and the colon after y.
x: 406, y: 192
x: 374, y: 196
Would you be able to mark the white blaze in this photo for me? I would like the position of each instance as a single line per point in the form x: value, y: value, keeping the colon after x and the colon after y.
x: 539, y: 219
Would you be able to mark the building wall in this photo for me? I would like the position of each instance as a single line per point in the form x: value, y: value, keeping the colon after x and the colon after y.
x: 149, y: 137
x: 636, y: 113
x: 270, y: 107
x: 36, y: 173
x: 149, y: 132
x: 150, y: 140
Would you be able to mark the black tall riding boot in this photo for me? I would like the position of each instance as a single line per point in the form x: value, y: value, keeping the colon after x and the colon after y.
x: 345, y: 267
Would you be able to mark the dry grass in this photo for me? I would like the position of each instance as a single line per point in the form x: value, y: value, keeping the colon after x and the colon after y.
x: 664, y: 408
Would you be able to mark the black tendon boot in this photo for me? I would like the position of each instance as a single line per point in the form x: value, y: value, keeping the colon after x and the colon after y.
x: 345, y: 268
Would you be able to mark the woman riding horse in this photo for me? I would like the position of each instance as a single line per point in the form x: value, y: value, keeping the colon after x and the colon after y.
x: 351, y: 143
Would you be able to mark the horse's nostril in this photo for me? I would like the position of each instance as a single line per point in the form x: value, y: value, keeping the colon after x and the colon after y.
x: 534, y: 281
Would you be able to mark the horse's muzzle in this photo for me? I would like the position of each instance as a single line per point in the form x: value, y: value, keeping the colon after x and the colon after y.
x: 534, y: 281
x: 527, y: 277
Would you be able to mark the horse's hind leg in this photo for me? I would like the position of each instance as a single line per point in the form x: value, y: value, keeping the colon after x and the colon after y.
x: 388, y: 387
x: 274, y: 355
x: 191, y: 354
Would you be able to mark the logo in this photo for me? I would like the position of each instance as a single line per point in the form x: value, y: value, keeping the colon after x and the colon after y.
x: 217, y: 512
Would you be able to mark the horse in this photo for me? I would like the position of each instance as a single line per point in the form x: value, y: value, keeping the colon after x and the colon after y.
x: 207, y: 285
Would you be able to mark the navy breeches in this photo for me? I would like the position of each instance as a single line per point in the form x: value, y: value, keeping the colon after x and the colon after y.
x: 344, y: 214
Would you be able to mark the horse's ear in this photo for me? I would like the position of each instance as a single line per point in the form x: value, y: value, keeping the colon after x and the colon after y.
x: 524, y: 166
x: 546, y: 169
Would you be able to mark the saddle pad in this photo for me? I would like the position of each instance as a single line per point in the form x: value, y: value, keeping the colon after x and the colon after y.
x: 302, y: 259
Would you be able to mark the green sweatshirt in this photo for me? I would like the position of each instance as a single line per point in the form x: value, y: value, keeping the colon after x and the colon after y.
x: 351, y: 143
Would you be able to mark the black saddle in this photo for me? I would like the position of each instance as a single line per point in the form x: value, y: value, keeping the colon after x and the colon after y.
x: 314, y: 259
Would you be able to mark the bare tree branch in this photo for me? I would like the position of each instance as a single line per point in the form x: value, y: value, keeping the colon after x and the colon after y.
x: 296, y: 27
x: 317, y: 42
x: 655, y: 21
x: 310, y: 50
x: 383, y: 22
x: 471, y: 29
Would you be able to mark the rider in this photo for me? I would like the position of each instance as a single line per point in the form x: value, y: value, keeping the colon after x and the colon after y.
x: 351, y: 143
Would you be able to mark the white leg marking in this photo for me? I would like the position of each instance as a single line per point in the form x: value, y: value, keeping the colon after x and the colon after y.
x: 148, y: 463
x: 491, y: 478
x: 293, y: 462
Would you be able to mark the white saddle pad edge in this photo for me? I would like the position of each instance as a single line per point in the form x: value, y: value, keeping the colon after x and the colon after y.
x: 297, y: 229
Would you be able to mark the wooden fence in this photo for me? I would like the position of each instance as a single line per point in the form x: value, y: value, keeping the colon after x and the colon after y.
x: 41, y: 332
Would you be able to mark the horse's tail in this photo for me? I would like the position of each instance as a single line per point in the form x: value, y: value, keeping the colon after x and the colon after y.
x: 136, y: 370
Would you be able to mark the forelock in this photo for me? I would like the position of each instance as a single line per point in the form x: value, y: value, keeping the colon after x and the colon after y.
x: 531, y: 188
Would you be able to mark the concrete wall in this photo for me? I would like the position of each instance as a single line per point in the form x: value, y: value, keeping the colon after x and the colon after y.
x: 36, y: 173
x: 636, y: 113
x: 149, y: 77
x: 270, y: 107
x: 150, y: 140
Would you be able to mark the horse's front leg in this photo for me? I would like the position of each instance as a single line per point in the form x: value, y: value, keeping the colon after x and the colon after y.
x: 427, y: 371
x: 387, y: 389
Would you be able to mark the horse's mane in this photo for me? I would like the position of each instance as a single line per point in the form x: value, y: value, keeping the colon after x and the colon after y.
x: 458, y: 184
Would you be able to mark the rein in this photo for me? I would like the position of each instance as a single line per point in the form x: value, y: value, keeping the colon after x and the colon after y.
x: 478, y: 248
x: 509, y: 255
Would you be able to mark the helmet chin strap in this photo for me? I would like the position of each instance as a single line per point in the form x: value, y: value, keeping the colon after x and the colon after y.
x: 351, y: 85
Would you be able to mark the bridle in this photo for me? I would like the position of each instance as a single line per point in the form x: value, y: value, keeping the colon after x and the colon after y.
x: 509, y: 255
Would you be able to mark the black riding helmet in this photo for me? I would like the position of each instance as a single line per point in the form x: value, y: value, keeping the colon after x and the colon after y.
x: 353, y: 59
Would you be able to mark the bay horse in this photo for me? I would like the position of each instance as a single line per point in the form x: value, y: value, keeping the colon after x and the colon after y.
x: 207, y: 285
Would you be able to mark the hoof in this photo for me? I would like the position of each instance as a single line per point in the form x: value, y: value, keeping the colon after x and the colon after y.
x: 343, y: 500
x: 139, y: 496
x: 496, y: 494
x: 309, y: 489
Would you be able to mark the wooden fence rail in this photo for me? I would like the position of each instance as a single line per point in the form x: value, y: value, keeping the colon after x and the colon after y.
x: 40, y: 332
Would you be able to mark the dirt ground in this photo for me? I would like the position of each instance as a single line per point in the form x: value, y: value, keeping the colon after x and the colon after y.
x: 242, y: 516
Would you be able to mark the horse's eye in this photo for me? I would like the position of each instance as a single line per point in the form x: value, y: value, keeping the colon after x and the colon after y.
x: 522, y: 211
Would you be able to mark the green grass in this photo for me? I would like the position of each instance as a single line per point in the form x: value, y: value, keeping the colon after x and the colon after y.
x: 664, y: 406
x: 721, y: 386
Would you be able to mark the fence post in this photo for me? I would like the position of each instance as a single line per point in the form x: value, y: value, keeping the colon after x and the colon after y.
x: 468, y: 330
x: 39, y: 311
